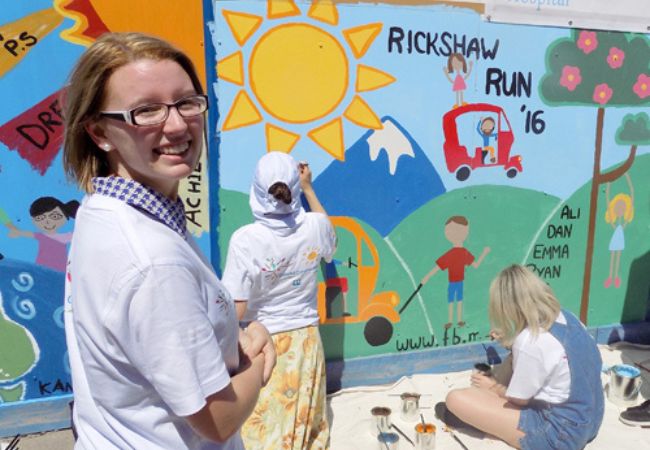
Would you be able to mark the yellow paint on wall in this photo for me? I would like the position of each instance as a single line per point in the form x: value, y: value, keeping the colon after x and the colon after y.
x: 324, y: 11
x: 242, y: 25
x: 370, y: 78
x: 231, y: 68
x: 282, y: 8
x: 360, y: 113
x: 279, y: 139
x: 242, y: 113
x: 360, y: 38
x: 298, y: 72
x: 330, y: 138
x: 19, y: 37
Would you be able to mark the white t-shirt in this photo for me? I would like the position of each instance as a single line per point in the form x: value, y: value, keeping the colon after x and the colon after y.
x: 151, y: 332
x: 276, y: 273
x: 540, y: 368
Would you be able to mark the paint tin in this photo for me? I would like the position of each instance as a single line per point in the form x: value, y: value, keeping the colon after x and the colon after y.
x: 483, y: 368
x: 624, y: 383
x: 410, y: 408
x: 425, y: 436
x: 380, y: 422
x: 388, y: 441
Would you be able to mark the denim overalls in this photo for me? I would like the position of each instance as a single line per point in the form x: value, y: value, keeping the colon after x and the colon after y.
x: 572, y: 424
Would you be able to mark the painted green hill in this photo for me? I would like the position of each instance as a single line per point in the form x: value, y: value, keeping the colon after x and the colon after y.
x: 558, y: 252
x: 500, y: 217
x: 519, y: 225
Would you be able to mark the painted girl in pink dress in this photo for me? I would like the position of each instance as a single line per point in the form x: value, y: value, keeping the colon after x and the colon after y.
x: 620, y: 212
x: 49, y: 214
x: 457, y: 66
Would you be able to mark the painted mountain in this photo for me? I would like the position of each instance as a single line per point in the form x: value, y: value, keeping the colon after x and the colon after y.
x: 384, y: 178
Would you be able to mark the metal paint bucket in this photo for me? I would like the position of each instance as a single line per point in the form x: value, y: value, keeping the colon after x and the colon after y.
x: 388, y: 441
x: 425, y: 436
x: 380, y: 422
x: 624, y: 383
x: 410, y: 409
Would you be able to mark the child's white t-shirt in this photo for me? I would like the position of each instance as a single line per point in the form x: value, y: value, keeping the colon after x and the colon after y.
x: 540, y: 368
x: 276, y: 273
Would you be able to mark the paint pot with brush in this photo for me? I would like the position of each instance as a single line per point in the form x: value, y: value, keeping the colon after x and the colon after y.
x: 484, y: 369
x: 380, y: 422
x: 425, y: 436
x: 387, y: 441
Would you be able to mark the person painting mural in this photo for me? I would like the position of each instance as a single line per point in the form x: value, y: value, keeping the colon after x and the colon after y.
x: 454, y: 262
x: 553, y: 397
x: 49, y: 214
x: 271, y: 271
x: 157, y: 358
x: 620, y: 212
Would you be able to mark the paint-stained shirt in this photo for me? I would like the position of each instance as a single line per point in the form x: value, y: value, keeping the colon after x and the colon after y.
x: 454, y: 262
x: 150, y: 329
x: 276, y: 274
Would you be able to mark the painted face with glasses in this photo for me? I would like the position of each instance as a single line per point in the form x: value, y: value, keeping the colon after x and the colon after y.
x: 151, y: 124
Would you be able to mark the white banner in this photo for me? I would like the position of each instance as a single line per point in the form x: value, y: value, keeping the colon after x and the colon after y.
x: 619, y: 15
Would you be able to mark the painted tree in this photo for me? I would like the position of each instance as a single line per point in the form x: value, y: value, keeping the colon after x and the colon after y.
x: 602, y: 70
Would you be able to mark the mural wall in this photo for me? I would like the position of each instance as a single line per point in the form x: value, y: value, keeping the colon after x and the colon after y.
x: 39, y: 42
x: 445, y: 148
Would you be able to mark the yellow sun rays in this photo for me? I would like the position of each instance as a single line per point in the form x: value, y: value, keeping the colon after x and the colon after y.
x: 298, y: 73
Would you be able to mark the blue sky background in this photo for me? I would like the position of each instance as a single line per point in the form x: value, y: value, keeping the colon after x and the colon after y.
x: 557, y: 162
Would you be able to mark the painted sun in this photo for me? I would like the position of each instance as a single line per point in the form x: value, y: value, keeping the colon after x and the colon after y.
x: 312, y: 254
x: 300, y: 73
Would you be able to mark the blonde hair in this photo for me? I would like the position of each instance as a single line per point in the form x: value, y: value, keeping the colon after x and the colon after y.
x: 86, y: 91
x: 610, y: 214
x: 520, y: 299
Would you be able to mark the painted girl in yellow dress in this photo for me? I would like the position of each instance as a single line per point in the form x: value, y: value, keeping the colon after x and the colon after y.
x: 620, y: 212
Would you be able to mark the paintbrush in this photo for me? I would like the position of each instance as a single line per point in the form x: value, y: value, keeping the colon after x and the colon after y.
x: 457, y: 439
x: 403, y: 435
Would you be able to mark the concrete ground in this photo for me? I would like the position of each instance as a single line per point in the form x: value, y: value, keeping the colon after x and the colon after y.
x: 348, y: 410
x: 53, y: 440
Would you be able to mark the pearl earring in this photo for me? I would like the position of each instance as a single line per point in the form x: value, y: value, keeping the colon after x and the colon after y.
x: 106, y: 147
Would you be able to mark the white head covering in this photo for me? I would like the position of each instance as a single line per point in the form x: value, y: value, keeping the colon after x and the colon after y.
x: 267, y: 210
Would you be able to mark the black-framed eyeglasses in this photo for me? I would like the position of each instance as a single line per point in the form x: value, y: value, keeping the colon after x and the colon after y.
x: 157, y: 113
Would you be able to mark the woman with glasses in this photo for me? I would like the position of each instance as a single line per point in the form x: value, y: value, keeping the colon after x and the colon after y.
x: 157, y: 358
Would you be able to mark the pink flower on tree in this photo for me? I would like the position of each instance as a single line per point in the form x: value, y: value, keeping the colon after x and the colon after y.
x: 602, y: 93
x: 615, y: 57
x: 587, y: 41
x: 642, y: 86
x: 570, y: 77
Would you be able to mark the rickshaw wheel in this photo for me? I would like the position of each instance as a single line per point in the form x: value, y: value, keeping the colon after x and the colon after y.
x: 463, y: 173
x: 511, y: 173
x: 378, y: 331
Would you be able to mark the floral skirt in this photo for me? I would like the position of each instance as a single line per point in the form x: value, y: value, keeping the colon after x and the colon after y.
x: 291, y: 412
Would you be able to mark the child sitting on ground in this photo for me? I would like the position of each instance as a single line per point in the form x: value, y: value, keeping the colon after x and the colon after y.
x: 554, y: 398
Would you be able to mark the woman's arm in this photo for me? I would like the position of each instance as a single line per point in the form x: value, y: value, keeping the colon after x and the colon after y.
x: 240, y: 306
x: 225, y: 411
x: 308, y: 189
